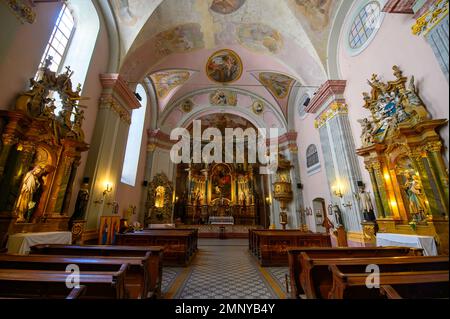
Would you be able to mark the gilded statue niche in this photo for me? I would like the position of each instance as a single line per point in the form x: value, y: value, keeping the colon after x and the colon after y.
x: 40, y: 154
x: 160, y: 200
x: 402, y: 151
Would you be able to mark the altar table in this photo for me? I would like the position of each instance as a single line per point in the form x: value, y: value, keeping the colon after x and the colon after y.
x: 427, y: 243
x: 21, y: 243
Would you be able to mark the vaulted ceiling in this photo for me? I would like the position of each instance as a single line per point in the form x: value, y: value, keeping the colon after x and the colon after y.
x: 276, y: 43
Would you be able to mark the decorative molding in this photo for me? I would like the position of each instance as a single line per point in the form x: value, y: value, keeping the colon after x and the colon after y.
x: 115, y: 85
x: 399, y: 6
x: 336, y: 108
x: 431, y: 17
x: 330, y: 89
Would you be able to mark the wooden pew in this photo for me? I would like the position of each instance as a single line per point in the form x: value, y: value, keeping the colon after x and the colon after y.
x: 423, y: 284
x: 390, y: 292
x: 77, y: 293
x: 178, y: 245
x: 317, y: 279
x: 294, y: 256
x: 155, y: 266
x: 194, y: 234
x: 271, y: 246
x: 52, y: 284
x: 137, y: 276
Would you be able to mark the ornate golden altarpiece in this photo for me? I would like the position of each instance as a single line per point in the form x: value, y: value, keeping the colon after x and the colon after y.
x: 40, y: 152
x: 219, y: 190
x: 402, y: 151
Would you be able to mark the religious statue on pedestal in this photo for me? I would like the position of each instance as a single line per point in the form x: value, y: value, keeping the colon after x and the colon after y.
x: 365, y: 203
x: 416, y: 197
x: 26, y: 202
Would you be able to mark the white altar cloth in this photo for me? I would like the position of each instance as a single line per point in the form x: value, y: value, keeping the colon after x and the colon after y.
x: 427, y: 243
x: 21, y: 243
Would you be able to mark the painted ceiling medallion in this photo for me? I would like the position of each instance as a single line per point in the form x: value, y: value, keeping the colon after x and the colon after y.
x: 258, y: 107
x: 278, y: 84
x: 224, y: 66
x: 166, y: 81
x: 223, y: 98
x: 187, y: 105
x: 226, y: 6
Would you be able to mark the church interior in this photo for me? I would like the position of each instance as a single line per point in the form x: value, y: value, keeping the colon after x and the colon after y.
x: 117, y: 180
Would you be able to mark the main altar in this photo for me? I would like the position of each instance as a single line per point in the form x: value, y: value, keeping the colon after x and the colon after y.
x: 214, y: 192
x: 402, y: 151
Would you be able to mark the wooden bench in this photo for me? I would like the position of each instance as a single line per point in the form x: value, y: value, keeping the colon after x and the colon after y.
x: 52, y: 284
x: 77, y: 293
x: 194, y: 234
x: 294, y: 256
x: 137, y: 276
x: 178, y: 245
x: 421, y: 284
x: 317, y: 280
x: 270, y: 247
x: 155, y: 255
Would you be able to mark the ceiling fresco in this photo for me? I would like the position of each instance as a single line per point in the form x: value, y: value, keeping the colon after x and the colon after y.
x: 260, y: 38
x: 278, y: 84
x: 166, y: 81
x: 226, y: 6
x: 224, y: 66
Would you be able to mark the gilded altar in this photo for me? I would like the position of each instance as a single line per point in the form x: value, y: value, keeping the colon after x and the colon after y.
x: 402, y: 151
x: 159, y: 205
x: 219, y: 190
x: 40, y: 152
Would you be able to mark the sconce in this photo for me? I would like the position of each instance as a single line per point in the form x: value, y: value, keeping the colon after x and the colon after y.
x: 309, y: 211
x: 337, y: 191
x: 108, y: 189
x: 347, y: 205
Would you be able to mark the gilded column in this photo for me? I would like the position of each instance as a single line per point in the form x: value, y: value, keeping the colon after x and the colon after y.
x: 382, y: 190
x: 434, y: 158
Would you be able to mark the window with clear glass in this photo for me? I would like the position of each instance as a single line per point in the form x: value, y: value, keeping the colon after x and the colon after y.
x: 136, y: 132
x: 364, y: 25
x: 60, y: 39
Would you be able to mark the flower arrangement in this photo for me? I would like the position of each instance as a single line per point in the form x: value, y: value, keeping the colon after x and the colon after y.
x: 413, y: 225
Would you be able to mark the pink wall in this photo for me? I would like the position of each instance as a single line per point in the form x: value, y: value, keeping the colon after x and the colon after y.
x: 394, y: 44
x: 92, y: 89
x: 315, y: 186
x: 18, y: 65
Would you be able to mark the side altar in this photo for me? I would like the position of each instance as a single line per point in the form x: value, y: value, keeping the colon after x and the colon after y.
x: 402, y: 151
x: 40, y: 152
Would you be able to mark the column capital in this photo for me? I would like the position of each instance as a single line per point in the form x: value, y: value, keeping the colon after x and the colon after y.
x: 329, y: 92
x: 115, y: 86
x: 399, y: 6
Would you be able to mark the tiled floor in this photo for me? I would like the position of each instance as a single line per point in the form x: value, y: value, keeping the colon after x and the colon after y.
x: 224, y: 270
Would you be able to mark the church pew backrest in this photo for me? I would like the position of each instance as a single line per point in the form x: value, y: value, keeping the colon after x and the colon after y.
x: 77, y: 293
x: 137, y: 277
x: 53, y: 284
x: 295, y: 270
x: 422, y: 284
x: 317, y: 279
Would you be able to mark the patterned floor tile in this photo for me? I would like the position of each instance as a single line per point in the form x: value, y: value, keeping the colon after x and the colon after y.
x: 222, y: 271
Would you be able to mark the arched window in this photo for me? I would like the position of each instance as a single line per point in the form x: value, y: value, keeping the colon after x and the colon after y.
x: 133, y: 151
x: 60, y: 39
x: 312, y: 157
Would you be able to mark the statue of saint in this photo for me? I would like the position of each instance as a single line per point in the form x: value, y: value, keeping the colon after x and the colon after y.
x: 414, y: 191
x: 338, y: 215
x: 82, y: 202
x: 366, y: 203
x: 30, y: 184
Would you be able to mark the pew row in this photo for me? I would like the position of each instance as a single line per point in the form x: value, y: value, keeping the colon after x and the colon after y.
x: 137, y: 280
x: 193, y: 234
x: 294, y: 257
x: 318, y: 280
x: 40, y: 284
x: 270, y: 247
x: 154, y: 253
x: 420, y: 284
x: 77, y: 293
x: 179, y: 245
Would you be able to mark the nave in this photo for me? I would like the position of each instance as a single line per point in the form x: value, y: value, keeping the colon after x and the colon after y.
x: 224, y: 269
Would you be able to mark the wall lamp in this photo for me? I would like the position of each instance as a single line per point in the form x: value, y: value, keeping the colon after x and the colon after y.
x: 108, y: 189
